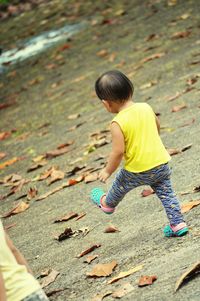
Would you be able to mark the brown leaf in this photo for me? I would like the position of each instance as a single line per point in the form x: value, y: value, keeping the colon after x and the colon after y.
x: 56, y: 175
x: 21, y: 207
x: 4, y: 135
x: 173, y: 151
x: 65, y: 144
x: 173, y: 97
x: 75, y: 170
x: 90, y: 258
x: 91, y: 178
x: 186, y: 147
x: 125, y: 274
x: 102, y: 53
x: 178, y: 108
x: 149, y: 84
x: 37, y: 165
x: 147, y: 192
x: 123, y: 290
x: 47, y: 194
x: 50, y: 278
x: 64, y: 47
x: 5, y: 105
x: 2, y: 155
x: 9, y: 162
x: 192, y: 271
x: 56, y: 152
x: 90, y: 249
x: 146, y: 280
x: 80, y: 216
x: 32, y: 192
x: 66, y: 217
x: 188, y: 206
x: 111, y: 229
x: 68, y: 232
x: 180, y: 35
x: 102, y: 270
x: 152, y: 57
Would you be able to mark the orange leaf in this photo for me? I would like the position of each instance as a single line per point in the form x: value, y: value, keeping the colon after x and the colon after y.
x: 92, y: 248
x: 178, y: 108
x: 4, y: 135
x: 146, y: 280
x: 111, y: 229
x: 9, y: 162
x: 102, y: 270
x: 21, y: 207
x: 188, y: 206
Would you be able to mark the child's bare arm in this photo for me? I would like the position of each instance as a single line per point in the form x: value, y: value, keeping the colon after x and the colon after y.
x: 116, y: 154
x: 17, y: 254
x: 2, y: 289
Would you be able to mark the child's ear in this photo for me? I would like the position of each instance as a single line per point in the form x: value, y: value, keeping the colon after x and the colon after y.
x: 106, y: 104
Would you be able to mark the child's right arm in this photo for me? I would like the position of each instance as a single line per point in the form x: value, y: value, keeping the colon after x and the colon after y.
x: 116, y: 155
x: 2, y: 289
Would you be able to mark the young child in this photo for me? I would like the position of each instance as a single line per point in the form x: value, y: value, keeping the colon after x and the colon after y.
x: 135, y: 135
x: 16, y: 280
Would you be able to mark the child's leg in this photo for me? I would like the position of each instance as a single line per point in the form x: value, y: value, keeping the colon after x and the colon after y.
x: 123, y: 183
x: 171, y: 204
x: 37, y: 296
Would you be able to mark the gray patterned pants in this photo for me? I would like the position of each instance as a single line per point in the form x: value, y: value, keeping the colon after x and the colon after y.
x: 159, y: 180
x: 37, y: 296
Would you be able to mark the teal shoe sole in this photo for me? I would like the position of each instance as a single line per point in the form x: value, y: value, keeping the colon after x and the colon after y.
x: 168, y: 232
x: 95, y: 196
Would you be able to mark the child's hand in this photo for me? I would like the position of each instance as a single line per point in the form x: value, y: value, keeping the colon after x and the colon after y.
x: 103, y: 175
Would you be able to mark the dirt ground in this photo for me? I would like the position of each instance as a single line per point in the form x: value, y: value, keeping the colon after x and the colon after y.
x: 156, y: 43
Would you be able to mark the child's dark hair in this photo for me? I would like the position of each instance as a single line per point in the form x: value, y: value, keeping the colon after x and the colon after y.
x: 114, y: 85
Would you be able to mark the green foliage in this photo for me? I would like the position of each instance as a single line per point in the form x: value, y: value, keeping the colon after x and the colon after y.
x: 4, y: 1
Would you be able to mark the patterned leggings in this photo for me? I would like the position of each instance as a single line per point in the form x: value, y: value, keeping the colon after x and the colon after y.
x: 159, y: 180
x: 37, y: 296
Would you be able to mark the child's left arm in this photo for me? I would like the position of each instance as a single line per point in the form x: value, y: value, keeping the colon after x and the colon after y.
x: 116, y: 155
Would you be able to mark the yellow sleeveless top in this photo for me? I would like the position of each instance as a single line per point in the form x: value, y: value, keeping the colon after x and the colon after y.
x: 18, y: 282
x: 143, y: 146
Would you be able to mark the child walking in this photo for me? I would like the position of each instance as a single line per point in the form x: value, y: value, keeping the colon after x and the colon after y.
x: 135, y: 136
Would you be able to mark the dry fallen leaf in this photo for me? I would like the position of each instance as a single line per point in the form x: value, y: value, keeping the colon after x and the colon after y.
x: 4, y: 135
x: 50, y: 278
x: 90, y: 249
x: 146, y: 280
x: 123, y: 290
x: 147, y: 192
x: 67, y: 233
x: 152, y: 57
x: 56, y: 152
x: 91, y: 178
x: 81, y: 215
x: 102, y: 53
x: 56, y: 175
x: 21, y: 207
x: 2, y: 155
x: 192, y: 271
x: 111, y: 229
x: 45, y: 195
x: 9, y: 162
x: 180, y: 35
x: 188, y: 206
x: 32, y: 192
x: 125, y: 274
x: 66, y: 217
x: 102, y: 270
x: 37, y: 165
x: 90, y: 258
x: 178, y: 108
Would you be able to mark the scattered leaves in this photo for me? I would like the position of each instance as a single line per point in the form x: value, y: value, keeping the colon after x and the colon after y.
x: 125, y: 274
x: 90, y: 249
x: 146, y: 280
x: 21, y: 207
x: 192, y: 271
x: 9, y: 162
x: 102, y: 270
